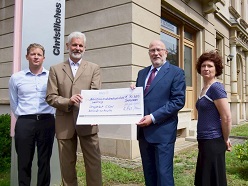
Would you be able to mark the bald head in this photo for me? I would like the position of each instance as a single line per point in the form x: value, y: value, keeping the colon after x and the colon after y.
x: 157, y: 42
x: 157, y: 53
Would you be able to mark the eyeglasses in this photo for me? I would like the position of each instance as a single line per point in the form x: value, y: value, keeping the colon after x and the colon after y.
x: 156, y: 49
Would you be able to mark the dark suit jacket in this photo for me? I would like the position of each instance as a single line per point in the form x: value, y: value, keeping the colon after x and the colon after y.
x: 61, y: 86
x: 165, y: 97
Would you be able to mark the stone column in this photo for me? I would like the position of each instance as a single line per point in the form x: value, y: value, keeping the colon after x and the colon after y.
x: 246, y: 86
x: 234, y: 78
x: 235, y: 108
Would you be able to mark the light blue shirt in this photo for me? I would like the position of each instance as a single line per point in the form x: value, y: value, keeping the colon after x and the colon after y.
x: 27, y: 93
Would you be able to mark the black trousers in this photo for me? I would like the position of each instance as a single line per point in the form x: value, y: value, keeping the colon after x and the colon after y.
x: 32, y: 131
x: 211, y: 166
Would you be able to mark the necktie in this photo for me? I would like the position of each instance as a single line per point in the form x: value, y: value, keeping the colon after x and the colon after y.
x: 151, y: 77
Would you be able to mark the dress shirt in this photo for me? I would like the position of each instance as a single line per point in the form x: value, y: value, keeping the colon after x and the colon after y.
x: 74, y: 66
x: 152, y: 67
x: 27, y: 93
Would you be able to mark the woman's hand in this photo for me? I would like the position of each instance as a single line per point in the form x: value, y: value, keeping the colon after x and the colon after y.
x: 228, y: 145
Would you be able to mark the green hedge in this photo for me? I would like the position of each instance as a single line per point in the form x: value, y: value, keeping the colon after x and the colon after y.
x: 242, y: 151
x: 5, y: 142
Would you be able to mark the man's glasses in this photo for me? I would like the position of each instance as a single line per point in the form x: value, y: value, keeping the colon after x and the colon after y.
x: 156, y: 49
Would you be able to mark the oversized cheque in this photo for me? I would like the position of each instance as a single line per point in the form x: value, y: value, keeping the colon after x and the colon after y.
x: 111, y: 106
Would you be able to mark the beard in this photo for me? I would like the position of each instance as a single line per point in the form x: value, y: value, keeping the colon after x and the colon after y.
x: 76, y: 54
x: 157, y: 63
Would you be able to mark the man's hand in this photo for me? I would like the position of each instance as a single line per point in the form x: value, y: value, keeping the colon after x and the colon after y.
x: 77, y: 98
x: 145, y: 121
x: 132, y: 86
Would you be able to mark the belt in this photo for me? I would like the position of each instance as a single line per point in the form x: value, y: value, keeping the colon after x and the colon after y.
x: 37, y: 116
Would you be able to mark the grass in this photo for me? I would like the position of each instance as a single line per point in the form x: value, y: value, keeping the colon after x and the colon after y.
x: 5, y: 177
x: 184, y: 164
x: 184, y: 168
x: 113, y: 174
x: 236, y: 171
x: 240, y: 130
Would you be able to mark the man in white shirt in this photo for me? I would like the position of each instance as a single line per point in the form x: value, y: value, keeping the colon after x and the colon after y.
x: 35, y: 125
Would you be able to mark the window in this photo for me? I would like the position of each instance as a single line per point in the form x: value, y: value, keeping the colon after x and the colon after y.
x: 179, y: 38
x: 165, y: 24
x: 172, y: 35
x: 188, y: 65
x: 171, y: 44
x: 220, y: 48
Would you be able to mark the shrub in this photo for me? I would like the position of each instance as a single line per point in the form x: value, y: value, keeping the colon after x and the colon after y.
x: 241, y: 150
x: 5, y: 142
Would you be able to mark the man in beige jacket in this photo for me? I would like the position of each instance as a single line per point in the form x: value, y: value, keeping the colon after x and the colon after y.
x: 65, y: 82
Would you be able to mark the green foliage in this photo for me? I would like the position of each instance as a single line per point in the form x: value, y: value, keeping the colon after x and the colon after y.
x: 5, y: 178
x: 235, y: 169
x: 241, y: 151
x: 5, y: 142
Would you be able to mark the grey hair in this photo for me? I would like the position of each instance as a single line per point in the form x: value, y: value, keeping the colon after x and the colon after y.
x: 76, y: 35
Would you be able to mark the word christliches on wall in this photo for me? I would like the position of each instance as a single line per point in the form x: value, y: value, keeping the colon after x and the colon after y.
x: 57, y: 30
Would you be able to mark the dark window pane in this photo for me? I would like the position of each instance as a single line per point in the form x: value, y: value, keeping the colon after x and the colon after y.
x: 188, y: 65
x: 169, y: 26
x: 171, y: 44
x: 188, y: 35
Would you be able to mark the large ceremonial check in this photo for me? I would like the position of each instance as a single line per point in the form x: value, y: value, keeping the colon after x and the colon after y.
x: 111, y: 106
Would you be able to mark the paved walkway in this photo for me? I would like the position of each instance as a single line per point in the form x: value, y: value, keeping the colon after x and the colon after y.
x: 237, y: 140
x: 134, y: 163
x: 180, y: 145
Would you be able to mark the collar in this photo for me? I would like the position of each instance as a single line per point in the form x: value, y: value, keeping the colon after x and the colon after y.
x: 73, y: 63
x: 28, y: 71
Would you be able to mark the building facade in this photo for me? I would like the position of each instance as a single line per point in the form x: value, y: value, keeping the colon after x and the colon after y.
x: 118, y: 34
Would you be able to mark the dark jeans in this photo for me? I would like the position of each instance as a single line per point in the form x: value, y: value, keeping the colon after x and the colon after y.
x: 29, y: 133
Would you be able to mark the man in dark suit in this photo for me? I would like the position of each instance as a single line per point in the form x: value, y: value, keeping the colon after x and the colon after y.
x: 65, y: 82
x: 163, y: 98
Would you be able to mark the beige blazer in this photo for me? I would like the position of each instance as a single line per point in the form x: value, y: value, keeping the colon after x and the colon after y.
x: 61, y: 86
